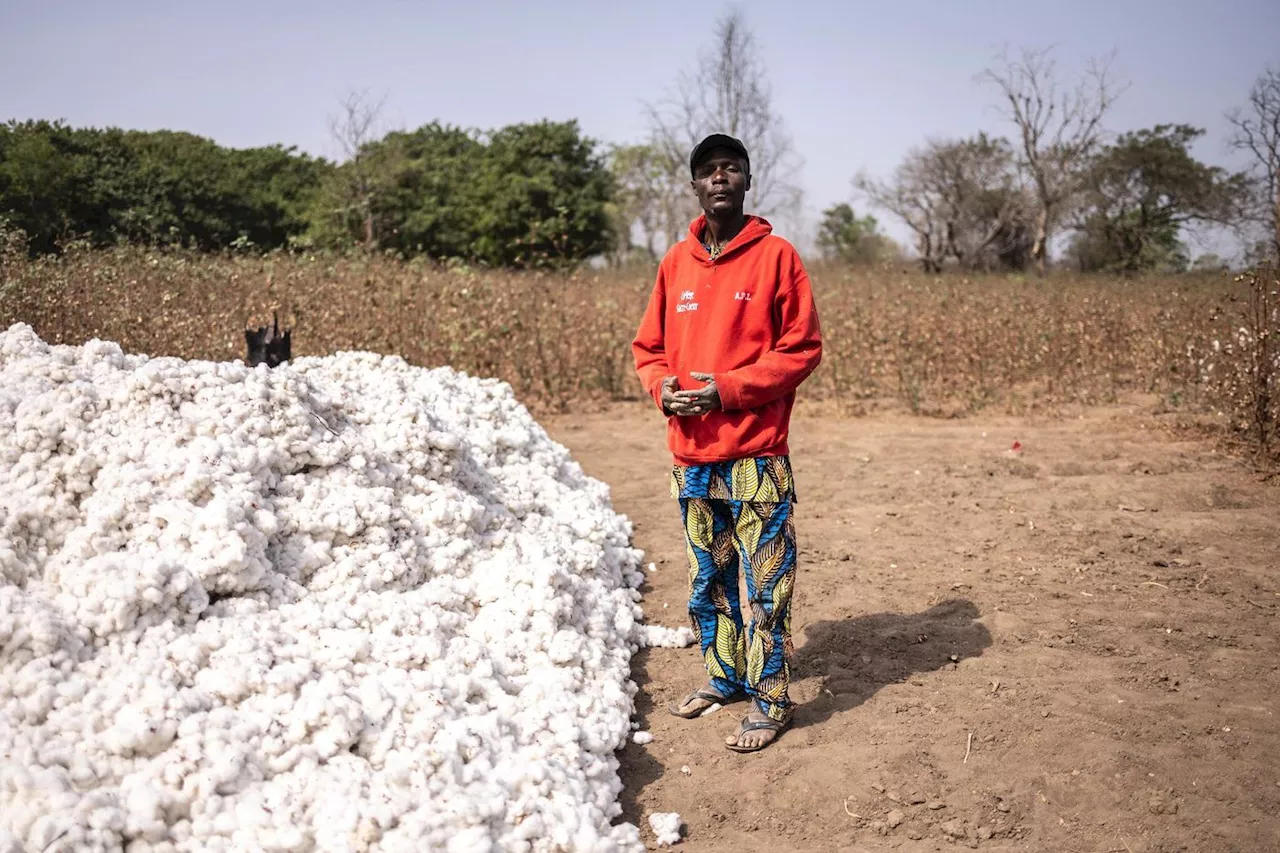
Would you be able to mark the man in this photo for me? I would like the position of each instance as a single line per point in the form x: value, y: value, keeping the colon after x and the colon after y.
x: 730, y: 332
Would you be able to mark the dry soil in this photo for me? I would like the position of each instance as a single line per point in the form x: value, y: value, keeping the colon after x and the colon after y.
x: 1069, y: 647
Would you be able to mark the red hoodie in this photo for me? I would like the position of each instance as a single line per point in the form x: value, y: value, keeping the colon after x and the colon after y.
x: 748, y: 319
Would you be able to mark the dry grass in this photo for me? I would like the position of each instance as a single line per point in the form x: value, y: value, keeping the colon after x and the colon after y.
x: 942, y: 345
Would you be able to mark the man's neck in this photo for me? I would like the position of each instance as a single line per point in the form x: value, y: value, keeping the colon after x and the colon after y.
x: 722, y: 229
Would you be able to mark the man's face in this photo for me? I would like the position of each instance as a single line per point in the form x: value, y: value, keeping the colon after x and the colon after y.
x: 721, y: 181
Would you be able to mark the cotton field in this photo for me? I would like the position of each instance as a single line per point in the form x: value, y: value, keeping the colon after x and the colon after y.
x: 346, y: 604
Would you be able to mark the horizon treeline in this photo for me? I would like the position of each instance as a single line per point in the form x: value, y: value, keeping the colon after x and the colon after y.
x: 544, y: 195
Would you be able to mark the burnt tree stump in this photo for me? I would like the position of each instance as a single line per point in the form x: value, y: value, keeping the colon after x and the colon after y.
x: 266, y: 344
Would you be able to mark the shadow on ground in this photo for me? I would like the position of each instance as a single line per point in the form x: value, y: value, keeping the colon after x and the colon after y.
x: 853, y: 657
x: 636, y: 766
x: 856, y: 657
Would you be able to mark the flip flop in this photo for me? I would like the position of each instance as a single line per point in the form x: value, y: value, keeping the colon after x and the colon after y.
x: 750, y: 725
x: 710, y: 697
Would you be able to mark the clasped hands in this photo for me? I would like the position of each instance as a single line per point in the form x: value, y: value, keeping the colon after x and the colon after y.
x: 691, y: 401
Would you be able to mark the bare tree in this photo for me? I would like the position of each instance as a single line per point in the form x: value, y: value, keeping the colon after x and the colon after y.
x: 1058, y: 129
x: 984, y: 208
x: 728, y: 92
x: 907, y: 197
x: 664, y: 206
x: 1257, y: 133
x: 671, y: 128
x: 639, y: 175
x: 353, y: 128
x: 963, y: 201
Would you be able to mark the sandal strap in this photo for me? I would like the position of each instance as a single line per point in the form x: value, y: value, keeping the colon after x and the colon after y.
x: 760, y: 725
x: 708, y: 696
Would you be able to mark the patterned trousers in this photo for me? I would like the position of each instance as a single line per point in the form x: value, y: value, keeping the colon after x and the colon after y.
x: 721, y: 536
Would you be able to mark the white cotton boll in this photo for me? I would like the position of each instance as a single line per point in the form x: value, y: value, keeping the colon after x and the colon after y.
x: 225, y: 627
x: 658, y: 636
x: 642, y: 738
x: 9, y: 843
x: 666, y: 828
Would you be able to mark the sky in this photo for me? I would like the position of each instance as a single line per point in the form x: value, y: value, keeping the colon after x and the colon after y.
x: 857, y: 84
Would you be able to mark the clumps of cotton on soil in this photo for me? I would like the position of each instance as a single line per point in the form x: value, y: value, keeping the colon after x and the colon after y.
x: 346, y: 604
x: 666, y: 828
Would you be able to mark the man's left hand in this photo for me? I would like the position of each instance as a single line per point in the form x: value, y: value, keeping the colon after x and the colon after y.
x: 699, y: 401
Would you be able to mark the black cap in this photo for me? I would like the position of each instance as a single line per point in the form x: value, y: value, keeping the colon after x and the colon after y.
x: 718, y: 140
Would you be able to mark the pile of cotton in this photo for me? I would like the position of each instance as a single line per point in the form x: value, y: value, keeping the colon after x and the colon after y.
x: 346, y: 604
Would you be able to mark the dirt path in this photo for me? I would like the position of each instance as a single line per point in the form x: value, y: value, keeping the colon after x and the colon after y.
x: 1071, y: 648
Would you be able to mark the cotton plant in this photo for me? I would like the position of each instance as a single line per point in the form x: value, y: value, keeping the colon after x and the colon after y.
x: 345, y: 604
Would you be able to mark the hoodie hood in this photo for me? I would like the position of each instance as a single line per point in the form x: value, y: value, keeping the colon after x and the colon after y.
x: 754, y: 229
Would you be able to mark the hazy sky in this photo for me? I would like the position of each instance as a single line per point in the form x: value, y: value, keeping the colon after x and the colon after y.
x: 857, y: 83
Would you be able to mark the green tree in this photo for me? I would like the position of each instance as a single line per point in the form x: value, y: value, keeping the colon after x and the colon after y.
x: 169, y: 187
x: 546, y: 193
x: 1094, y: 247
x: 527, y: 195
x: 432, y: 202
x: 105, y: 186
x: 844, y: 236
x: 1140, y: 192
x: 44, y: 177
x: 183, y: 191
x: 278, y: 186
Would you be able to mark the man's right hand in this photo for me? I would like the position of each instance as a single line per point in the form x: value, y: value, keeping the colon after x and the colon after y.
x: 671, y: 404
x: 678, y: 405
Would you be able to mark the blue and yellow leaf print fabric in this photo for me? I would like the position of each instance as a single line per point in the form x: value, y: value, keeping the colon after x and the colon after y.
x: 738, y: 515
x: 764, y: 479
